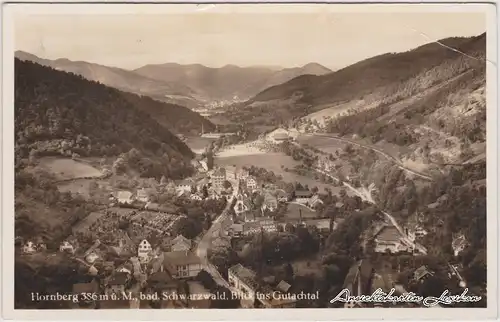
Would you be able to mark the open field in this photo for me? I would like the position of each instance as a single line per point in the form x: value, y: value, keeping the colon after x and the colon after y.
x: 65, y: 169
x: 77, y: 187
x: 333, y: 111
x: 272, y: 162
x: 243, y: 149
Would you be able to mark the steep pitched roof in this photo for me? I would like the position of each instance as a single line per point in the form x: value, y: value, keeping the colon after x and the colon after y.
x: 123, y: 195
x: 181, y: 258
x: 246, y: 275
x: 388, y: 234
x: 182, y: 239
x: 283, y: 286
x: 421, y: 272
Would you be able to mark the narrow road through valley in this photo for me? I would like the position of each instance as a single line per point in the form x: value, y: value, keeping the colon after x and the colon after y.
x: 206, y: 242
x: 366, y: 196
x: 377, y: 150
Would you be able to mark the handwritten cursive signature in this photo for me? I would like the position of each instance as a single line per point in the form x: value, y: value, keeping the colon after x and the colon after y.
x: 380, y: 296
x: 431, y: 301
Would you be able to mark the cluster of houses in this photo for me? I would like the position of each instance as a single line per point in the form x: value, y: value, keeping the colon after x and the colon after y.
x: 342, y: 170
x: 256, y: 293
x: 149, y: 271
x: 214, y: 181
x: 249, y: 219
x: 140, y: 267
x: 387, y: 238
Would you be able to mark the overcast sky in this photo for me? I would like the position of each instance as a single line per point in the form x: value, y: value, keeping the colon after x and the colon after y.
x: 214, y: 39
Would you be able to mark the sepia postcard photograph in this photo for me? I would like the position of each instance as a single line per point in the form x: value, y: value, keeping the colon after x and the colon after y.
x: 249, y: 161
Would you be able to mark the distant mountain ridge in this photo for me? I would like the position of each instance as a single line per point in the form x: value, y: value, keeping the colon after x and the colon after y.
x: 128, y: 81
x: 362, y: 77
x: 383, y: 90
x: 191, y: 85
x: 229, y: 81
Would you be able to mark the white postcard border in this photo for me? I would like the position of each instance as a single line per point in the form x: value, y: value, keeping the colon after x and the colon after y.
x: 7, y: 143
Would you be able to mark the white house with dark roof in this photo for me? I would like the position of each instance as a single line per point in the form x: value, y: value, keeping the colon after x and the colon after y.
x: 251, y: 183
x: 185, y: 186
x: 218, y: 178
x: 243, y: 280
x: 144, y: 251
x: 241, y: 206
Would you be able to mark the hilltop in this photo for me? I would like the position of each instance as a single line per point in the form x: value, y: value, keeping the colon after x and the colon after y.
x: 365, y: 76
x: 385, y: 80
x: 125, y: 80
x: 55, y: 110
x: 227, y: 82
x: 191, y: 85
x: 64, y: 116
x: 185, y: 122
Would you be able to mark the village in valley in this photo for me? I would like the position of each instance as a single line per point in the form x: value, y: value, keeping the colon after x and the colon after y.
x: 153, y: 181
x: 195, y: 236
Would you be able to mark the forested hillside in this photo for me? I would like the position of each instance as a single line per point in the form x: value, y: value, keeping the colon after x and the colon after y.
x: 57, y: 113
x: 63, y: 115
x: 124, y: 80
x: 375, y: 82
x: 364, y: 77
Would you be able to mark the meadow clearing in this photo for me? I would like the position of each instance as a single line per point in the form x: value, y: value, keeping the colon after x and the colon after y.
x: 273, y: 162
x: 66, y: 169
